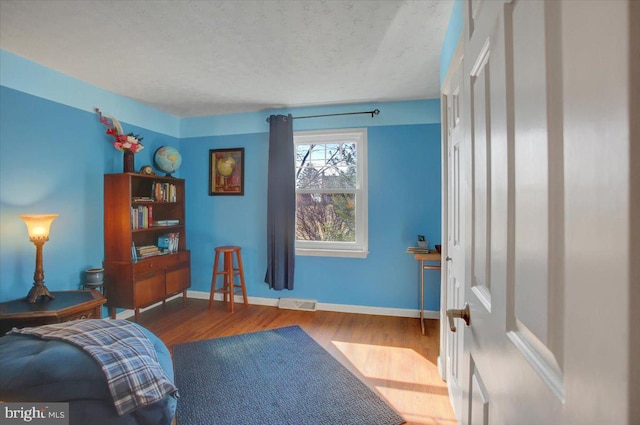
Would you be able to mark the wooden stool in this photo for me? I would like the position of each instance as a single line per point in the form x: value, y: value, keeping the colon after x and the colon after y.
x: 228, y: 272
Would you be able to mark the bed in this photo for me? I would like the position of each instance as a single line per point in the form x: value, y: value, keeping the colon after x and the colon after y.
x: 39, y: 370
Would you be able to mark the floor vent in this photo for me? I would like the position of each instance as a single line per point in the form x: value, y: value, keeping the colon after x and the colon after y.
x: 297, y: 304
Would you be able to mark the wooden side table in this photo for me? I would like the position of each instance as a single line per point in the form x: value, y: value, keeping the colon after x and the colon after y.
x: 67, y: 305
x: 431, y: 256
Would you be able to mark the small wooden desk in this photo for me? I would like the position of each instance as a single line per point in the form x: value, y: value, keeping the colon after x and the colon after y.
x: 431, y: 256
x: 67, y: 305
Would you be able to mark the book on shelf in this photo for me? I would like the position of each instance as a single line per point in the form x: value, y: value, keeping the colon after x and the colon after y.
x: 141, y: 216
x: 166, y: 223
x: 142, y: 199
x: 163, y: 192
x: 147, y: 250
x: 170, y: 242
x: 150, y: 251
x: 152, y: 254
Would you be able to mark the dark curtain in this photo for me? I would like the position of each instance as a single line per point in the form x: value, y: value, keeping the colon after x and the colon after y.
x: 281, y: 204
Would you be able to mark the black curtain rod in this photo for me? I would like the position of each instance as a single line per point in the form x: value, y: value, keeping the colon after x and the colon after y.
x: 372, y: 113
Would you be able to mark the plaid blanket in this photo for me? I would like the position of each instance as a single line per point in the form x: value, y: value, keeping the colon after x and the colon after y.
x: 125, y: 354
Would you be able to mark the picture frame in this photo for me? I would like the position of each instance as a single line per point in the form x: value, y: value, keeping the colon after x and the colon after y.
x: 226, y: 172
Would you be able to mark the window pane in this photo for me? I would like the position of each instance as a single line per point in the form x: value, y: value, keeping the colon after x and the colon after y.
x: 326, y: 217
x: 326, y: 166
x: 326, y: 178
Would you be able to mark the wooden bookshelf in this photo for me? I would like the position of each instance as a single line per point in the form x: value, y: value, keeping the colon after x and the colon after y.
x: 132, y: 282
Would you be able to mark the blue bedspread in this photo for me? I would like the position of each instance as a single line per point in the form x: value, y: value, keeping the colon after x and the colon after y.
x: 125, y: 354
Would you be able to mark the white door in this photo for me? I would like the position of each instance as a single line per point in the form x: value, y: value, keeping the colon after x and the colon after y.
x: 453, y: 261
x: 548, y: 226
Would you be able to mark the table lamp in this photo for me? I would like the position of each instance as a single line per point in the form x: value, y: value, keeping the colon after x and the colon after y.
x: 38, y: 226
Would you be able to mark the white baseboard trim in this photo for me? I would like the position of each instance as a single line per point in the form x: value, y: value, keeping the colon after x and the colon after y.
x: 341, y: 308
x: 130, y: 313
x: 273, y: 302
x: 441, y: 371
x: 377, y: 311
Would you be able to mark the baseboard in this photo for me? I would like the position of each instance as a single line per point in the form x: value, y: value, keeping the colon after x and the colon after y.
x: 273, y: 302
x: 441, y: 370
x: 130, y: 313
x: 341, y: 308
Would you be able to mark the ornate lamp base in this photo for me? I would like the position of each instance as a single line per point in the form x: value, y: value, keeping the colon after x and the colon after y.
x: 38, y: 291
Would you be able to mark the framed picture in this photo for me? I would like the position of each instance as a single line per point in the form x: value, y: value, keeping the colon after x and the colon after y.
x: 226, y: 171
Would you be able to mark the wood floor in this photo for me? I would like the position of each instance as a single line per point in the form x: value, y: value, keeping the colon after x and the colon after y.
x: 387, y: 353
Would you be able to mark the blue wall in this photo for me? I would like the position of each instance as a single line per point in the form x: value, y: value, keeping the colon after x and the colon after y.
x: 53, y: 154
x: 404, y: 200
x: 52, y: 160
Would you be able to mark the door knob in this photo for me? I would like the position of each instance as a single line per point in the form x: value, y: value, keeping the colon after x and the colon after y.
x: 464, y: 314
x: 448, y: 258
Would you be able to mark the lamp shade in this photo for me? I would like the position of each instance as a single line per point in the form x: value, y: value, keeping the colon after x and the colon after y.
x: 38, y: 225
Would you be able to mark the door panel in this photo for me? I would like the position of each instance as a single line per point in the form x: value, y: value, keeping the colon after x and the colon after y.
x: 478, y: 398
x: 529, y: 312
x: 479, y: 122
x: 531, y: 173
x: 512, y: 217
x: 455, y: 199
x: 455, y: 345
x: 545, y: 203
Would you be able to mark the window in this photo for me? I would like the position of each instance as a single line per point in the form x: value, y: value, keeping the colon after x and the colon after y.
x: 331, y: 193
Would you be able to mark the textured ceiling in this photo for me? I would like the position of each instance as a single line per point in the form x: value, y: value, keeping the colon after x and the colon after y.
x: 194, y: 58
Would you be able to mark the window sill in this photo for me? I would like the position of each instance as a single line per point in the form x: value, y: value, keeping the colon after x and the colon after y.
x: 342, y: 253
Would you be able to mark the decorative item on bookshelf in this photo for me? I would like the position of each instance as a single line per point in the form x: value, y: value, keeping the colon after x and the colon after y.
x: 147, y: 170
x: 168, y: 159
x: 127, y: 143
x: 128, y: 162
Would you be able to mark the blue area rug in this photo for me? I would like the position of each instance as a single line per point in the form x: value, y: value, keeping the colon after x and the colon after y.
x: 274, y: 377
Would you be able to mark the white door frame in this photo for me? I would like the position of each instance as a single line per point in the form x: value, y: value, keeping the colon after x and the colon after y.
x: 446, y: 117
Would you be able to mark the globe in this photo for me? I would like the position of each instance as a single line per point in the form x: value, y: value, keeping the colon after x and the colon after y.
x: 226, y: 166
x: 168, y: 159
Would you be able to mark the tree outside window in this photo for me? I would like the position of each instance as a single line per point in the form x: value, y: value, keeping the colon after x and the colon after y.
x: 330, y: 192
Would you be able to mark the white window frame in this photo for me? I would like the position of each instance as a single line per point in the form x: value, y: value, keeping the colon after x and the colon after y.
x: 359, y: 248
